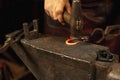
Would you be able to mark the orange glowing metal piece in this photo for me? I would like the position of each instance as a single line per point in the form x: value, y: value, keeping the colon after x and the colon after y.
x: 72, y: 41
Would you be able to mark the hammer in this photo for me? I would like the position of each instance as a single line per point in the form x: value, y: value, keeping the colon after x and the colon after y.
x: 75, y: 19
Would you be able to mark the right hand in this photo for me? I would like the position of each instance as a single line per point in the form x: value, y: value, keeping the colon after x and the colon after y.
x: 55, y: 9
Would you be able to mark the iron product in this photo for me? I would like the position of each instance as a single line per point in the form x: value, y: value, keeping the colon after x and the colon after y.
x: 49, y: 58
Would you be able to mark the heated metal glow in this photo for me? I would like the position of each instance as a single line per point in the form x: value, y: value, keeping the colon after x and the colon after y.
x: 72, y: 41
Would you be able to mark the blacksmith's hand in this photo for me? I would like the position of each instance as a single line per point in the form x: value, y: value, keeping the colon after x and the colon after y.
x: 55, y: 9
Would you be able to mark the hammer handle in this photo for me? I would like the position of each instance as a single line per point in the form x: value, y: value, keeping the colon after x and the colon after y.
x: 66, y: 17
x: 75, y: 19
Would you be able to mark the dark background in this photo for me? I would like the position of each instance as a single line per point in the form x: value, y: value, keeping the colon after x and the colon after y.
x: 14, y: 12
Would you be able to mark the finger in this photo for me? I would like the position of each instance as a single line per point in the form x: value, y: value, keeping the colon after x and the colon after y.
x: 54, y: 13
x: 54, y: 16
x: 59, y: 8
x: 68, y: 7
x: 47, y: 12
x: 59, y: 11
x: 48, y: 8
x: 51, y: 14
x: 60, y: 19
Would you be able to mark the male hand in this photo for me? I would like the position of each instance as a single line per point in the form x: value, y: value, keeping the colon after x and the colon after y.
x: 55, y: 9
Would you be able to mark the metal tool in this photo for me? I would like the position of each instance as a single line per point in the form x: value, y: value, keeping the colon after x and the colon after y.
x: 10, y: 39
x: 75, y: 19
x: 31, y: 34
x: 105, y: 56
x: 16, y: 35
x: 74, y: 41
x: 76, y: 23
x: 76, y: 26
x: 109, y: 33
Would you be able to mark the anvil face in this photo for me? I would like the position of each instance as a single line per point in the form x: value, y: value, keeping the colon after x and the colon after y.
x: 49, y: 58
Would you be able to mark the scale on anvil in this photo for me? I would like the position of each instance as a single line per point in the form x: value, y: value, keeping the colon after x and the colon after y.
x: 49, y: 58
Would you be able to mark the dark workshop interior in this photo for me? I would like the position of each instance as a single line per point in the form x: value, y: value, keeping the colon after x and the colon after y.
x: 14, y: 12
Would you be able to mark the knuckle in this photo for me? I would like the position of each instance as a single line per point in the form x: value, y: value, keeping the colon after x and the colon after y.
x: 59, y: 12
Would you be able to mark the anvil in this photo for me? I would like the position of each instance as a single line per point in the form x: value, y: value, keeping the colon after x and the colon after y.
x: 49, y: 58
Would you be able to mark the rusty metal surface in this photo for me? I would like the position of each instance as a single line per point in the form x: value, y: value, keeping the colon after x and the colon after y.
x: 49, y: 58
x: 54, y: 60
x: 57, y: 46
x: 102, y: 70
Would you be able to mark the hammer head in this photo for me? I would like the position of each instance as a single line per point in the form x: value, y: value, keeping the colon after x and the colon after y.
x: 76, y: 23
x: 75, y: 19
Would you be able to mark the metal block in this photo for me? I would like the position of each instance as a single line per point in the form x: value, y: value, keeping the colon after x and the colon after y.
x: 49, y: 58
x: 31, y: 34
